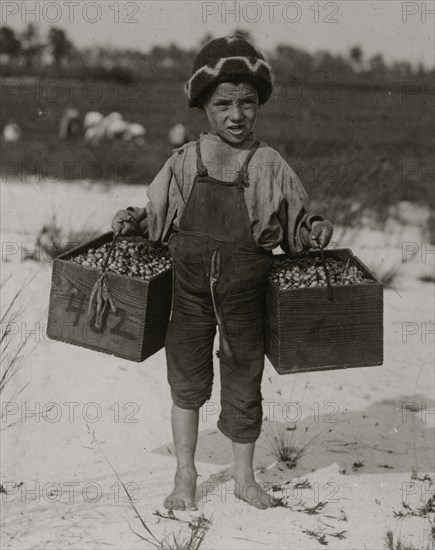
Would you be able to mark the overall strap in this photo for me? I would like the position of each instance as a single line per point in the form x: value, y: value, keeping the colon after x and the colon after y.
x: 200, y: 168
x: 243, y: 173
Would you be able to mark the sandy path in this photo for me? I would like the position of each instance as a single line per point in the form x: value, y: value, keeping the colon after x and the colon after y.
x: 128, y: 405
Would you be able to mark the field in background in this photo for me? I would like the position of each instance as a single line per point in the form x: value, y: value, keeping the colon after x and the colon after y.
x: 367, y: 475
x: 366, y: 146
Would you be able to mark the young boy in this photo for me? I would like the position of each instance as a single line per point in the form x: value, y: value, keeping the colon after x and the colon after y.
x: 222, y: 204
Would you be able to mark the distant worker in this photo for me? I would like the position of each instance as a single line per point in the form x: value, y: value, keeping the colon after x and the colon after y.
x: 178, y: 135
x: 135, y: 132
x: 115, y: 126
x: 94, y: 132
x: 12, y: 132
x: 99, y: 128
x: 94, y: 135
x: 92, y: 118
x: 70, y: 124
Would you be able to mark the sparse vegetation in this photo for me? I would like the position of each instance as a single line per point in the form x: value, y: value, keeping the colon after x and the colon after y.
x: 408, y: 511
x: 430, y: 227
x: 427, y: 278
x: 357, y: 465
x: 397, y: 544
x: 12, y: 353
x: 318, y: 535
x: 321, y: 535
x: 285, y: 444
x: 425, y: 512
x: 14, y: 348
x: 52, y: 241
x: 311, y: 510
x: 14, y: 486
x: 415, y: 476
x: 304, y: 484
x: 198, y: 526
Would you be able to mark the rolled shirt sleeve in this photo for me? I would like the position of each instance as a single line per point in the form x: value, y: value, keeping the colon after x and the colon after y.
x: 298, y: 221
x: 157, y: 207
x: 150, y: 220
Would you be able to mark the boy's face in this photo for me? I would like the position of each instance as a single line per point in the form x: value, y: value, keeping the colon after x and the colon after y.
x: 232, y: 110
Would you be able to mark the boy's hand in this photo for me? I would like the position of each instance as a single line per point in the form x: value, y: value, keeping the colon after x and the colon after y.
x: 124, y: 221
x: 321, y: 233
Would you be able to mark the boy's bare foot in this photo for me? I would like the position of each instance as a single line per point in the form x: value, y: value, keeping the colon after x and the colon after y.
x: 183, y: 495
x: 247, y: 489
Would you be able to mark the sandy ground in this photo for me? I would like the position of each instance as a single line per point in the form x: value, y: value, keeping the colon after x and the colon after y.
x: 373, y: 425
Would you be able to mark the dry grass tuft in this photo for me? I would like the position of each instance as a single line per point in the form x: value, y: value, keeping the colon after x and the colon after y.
x: 392, y: 544
x: 198, y: 526
x: 286, y: 446
x: 430, y: 228
x: 12, y: 353
x: 321, y: 536
x: 52, y: 241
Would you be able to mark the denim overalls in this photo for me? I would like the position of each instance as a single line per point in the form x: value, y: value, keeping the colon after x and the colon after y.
x: 220, y: 276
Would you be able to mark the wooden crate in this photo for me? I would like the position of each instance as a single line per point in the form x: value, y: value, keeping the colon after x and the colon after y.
x: 136, y: 331
x: 305, y: 331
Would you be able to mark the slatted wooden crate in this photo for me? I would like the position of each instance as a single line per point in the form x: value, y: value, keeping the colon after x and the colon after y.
x: 305, y: 331
x: 136, y: 331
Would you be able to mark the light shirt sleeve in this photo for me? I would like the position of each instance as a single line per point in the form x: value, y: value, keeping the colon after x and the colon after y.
x: 158, y: 194
x: 297, y: 221
x: 151, y: 219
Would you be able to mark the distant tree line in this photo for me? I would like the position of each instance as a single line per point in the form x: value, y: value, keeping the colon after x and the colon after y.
x: 29, y: 54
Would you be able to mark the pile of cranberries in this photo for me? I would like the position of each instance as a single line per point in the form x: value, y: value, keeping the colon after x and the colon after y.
x: 309, y: 272
x: 128, y: 258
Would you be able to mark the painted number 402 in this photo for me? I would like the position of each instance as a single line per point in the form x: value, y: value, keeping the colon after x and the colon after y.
x: 78, y: 305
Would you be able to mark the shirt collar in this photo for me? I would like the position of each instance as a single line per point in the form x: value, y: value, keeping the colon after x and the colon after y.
x: 247, y: 144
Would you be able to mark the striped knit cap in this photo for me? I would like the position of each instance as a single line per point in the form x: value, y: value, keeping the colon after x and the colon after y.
x: 228, y: 59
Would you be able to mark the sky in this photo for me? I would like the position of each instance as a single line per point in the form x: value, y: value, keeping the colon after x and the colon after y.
x: 398, y: 29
